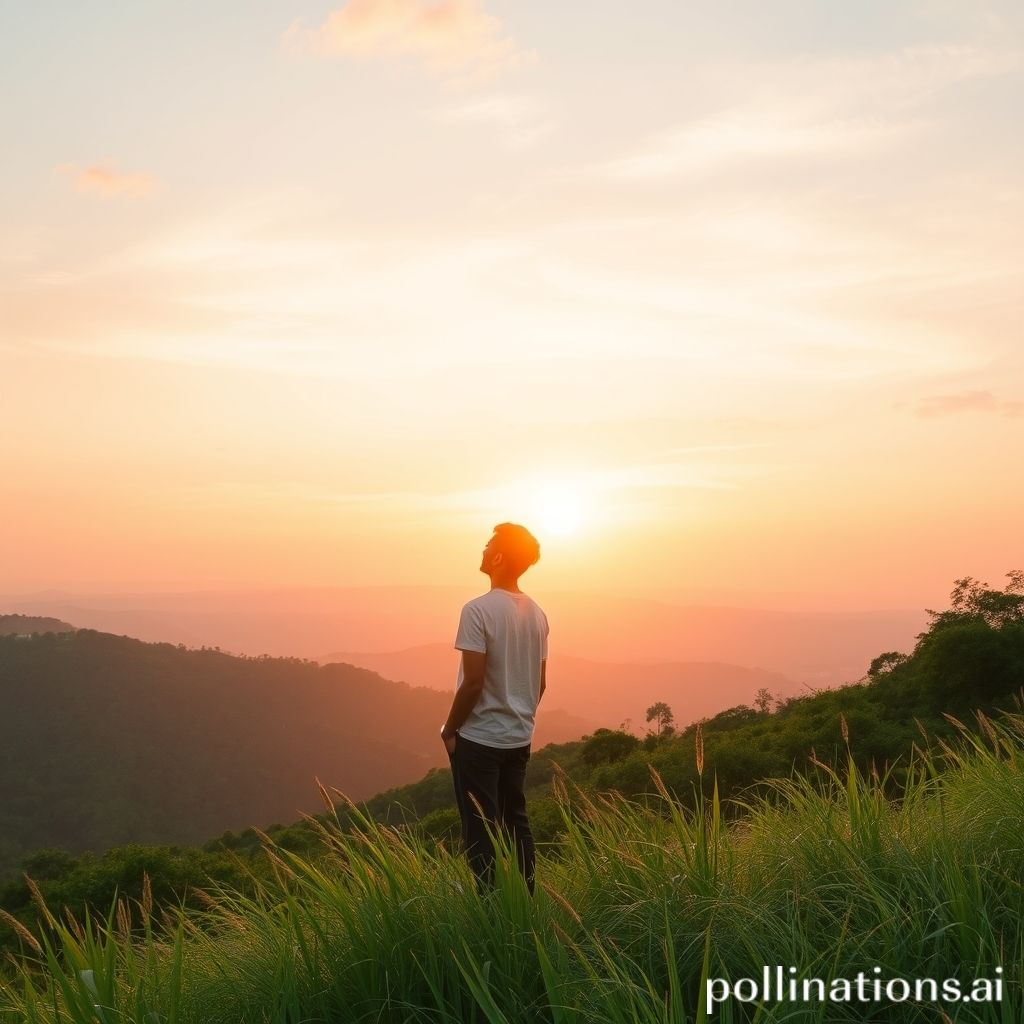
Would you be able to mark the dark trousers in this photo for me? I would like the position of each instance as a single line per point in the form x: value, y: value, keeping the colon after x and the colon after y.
x: 496, y: 776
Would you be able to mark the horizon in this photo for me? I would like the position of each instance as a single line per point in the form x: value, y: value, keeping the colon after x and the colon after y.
x: 716, y: 305
x: 682, y: 597
x: 411, y: 630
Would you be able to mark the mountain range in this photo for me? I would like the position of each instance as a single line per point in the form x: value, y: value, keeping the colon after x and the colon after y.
x: 608, y: 693
x: 817, y: 647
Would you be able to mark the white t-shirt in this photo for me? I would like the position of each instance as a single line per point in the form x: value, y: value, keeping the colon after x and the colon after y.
x: 513, y: 631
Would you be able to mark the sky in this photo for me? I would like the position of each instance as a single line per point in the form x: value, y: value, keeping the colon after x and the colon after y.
x: 720, y: 300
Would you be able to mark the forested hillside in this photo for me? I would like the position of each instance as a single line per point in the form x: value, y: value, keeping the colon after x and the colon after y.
x: 105, y: 740
x: 26, y: 625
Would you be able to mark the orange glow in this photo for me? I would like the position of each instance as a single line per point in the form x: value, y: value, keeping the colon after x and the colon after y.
x: 425, y: 267
x: 558, y: 510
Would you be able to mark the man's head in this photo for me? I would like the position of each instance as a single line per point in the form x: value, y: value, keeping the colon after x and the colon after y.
x: 510, y: 551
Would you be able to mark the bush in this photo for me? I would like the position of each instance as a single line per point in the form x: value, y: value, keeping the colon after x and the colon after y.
x: 607, y: 746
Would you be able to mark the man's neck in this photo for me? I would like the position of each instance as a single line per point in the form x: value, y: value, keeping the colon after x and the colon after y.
x: 512, y: 586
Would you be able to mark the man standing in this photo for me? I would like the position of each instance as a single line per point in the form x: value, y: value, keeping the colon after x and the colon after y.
x: 503, y: 637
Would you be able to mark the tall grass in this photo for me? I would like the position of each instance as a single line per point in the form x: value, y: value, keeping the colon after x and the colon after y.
x: 642, y: 905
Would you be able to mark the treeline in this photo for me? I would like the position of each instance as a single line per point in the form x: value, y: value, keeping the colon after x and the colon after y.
x: 26, y: 625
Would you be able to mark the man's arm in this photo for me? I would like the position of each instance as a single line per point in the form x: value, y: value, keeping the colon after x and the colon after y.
x: 466, y: 696
x: 543, y: 678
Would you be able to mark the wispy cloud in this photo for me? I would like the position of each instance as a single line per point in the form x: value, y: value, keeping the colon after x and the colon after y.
x: 520, y: 120
x: 966, y: 401
x: 756, y: 132
x: 612, y: 488
x: 812, y: 108
x: 449, y: 37
x: 678, y: 468
x: 107, y: 180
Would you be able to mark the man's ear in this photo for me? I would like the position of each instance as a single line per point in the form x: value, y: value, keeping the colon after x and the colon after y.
x: 498, y: 558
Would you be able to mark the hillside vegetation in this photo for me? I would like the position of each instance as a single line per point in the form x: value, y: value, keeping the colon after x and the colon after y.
x: 972, y: 655
x: 26, y: 625
x: 106, y: 740
x: 644, y: 911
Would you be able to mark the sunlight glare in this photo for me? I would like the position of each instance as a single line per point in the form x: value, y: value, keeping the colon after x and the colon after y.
x: 557, y: 509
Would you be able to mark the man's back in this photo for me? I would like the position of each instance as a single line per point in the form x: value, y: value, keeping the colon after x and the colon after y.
x: 512, y: 630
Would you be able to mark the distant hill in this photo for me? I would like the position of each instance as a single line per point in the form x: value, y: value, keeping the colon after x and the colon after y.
x: 820, y: 647
x: 106, y: 740
x: 607, y: 692
x: 26, y: 625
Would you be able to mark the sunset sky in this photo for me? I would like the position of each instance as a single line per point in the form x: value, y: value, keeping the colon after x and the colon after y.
x: 723, y: 299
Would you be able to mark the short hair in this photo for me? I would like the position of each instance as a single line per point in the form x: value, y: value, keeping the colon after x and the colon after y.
x: 520, y: 548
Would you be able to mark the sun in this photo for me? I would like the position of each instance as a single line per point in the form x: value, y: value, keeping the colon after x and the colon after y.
x: 556, y: 504
x: 557, y: 509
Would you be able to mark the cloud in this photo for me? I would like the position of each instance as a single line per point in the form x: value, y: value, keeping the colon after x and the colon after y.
x: 664, y: 470
x: 519, y: 119
x: 450, y: 37
x: 107, y: 180
x: 966, y: 401
x: 744, y: 134
x: 812, y: 108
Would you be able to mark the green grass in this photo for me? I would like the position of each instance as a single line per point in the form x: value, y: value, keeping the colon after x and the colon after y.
x: 634, y: 912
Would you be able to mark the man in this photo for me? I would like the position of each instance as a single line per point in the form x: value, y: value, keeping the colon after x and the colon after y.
x: 503, y: 637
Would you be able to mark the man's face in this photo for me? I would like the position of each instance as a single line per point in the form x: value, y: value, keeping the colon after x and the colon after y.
x: 488, y: 557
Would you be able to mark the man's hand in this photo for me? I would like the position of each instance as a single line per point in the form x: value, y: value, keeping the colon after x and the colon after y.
x: 474, y: 664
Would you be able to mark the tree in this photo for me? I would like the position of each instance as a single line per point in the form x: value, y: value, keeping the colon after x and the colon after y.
x: 885, y: 663
x: 607, y: 746
x: 971, y: 601
x: 662, y: 714
x: 763, y: 700
x: 971, y: 654
x: 733, y: 718
x: 967, y: 664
